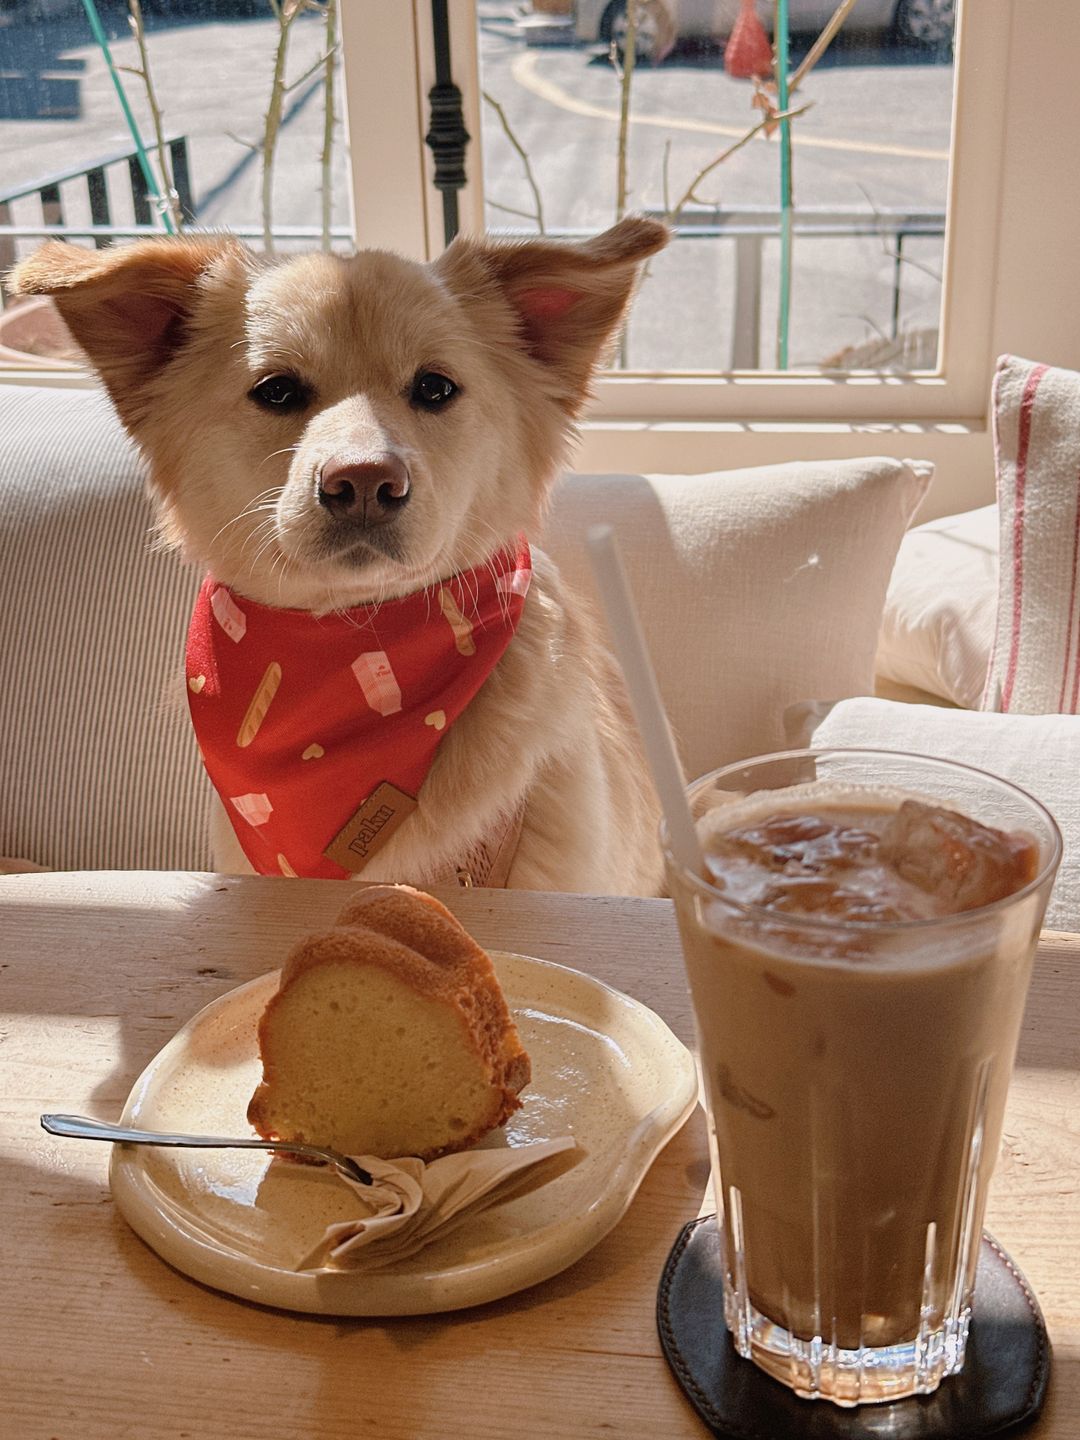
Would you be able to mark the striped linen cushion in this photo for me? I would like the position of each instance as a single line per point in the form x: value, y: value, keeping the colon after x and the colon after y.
x: 98, y: 768
x: 1035, y: 663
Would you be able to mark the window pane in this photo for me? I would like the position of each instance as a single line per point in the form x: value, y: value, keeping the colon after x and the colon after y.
x: 869, y: 163
x: 212, y: 66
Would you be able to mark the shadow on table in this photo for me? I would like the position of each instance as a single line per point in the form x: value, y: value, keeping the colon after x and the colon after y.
x: 411, y: 1364
x: 207, y: 938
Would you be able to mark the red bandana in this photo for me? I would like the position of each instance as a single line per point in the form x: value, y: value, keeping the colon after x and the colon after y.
x: 318, y: 731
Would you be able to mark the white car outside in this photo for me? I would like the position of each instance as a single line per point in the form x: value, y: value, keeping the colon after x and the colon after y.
x: 662, y: 22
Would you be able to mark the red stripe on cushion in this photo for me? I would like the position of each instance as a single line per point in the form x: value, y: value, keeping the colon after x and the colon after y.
x: 1023, y: 440
x: 1070, y: 625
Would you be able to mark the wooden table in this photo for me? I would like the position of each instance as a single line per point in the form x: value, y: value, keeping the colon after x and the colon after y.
x: 103, y: 1341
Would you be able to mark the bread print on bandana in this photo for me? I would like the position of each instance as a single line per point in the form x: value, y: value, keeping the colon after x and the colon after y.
x: 304, y: 720
x: 463, y: 630
x: 260, y: 704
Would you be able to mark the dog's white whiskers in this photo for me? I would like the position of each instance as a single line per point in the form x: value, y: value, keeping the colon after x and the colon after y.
x: 247, y: 515
x: 266, y: 532
x: 264, y: 500
x: 285, y: 450
x: 280, y: 563
x: 260, y: 530
x: 265, y: 544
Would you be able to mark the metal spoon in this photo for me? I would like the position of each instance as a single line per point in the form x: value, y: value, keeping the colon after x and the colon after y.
x: 81, y: 1127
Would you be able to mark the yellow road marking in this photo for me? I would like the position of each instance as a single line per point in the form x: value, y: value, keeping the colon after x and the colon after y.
x: 523, y: 70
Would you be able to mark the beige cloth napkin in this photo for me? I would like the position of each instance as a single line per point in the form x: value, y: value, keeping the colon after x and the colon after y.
x: 412, y: 1204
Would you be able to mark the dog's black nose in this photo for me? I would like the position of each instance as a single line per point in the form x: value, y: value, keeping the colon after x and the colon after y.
x: 369, y: 491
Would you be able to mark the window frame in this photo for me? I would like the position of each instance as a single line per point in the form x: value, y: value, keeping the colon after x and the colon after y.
x: 955, y: 391
x: 1010, y: 283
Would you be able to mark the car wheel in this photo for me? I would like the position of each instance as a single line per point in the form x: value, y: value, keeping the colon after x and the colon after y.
x: 655, y: 30
x: 928, y: 23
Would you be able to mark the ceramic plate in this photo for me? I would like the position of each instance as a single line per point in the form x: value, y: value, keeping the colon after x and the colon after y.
x: 605, y: 1069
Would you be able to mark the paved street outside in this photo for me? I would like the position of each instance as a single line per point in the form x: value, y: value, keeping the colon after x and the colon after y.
x: 875, y: 138
x: 58, y: 106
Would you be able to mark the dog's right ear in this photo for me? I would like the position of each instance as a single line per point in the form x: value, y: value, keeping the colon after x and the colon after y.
x: 127, y: 305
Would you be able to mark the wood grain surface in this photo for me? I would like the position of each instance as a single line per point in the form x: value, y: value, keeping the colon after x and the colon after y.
x: 104, y: 1341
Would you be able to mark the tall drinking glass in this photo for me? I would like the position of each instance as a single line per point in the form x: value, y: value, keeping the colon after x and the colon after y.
x: 856, y: 1060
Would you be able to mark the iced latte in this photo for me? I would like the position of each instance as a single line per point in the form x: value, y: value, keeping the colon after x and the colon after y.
x: 858, y: 951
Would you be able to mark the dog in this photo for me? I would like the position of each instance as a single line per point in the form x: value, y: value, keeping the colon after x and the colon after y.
x: 356, y: 448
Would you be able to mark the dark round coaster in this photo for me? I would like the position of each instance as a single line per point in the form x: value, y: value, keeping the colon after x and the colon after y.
x: 1002, y: 1384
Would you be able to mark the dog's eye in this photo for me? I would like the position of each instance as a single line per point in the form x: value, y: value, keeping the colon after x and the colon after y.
x: 431, y: 391
x: 282, y: 393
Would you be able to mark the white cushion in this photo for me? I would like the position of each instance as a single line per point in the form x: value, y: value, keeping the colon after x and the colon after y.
x: 755, y: 587
x: 1040, y: 753
x: 937, y: 628
x: 1035, y: 663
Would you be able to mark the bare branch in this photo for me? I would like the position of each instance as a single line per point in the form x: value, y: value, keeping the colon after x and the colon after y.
x: 170, y: 197
x: 626, y: 77
x: 765, y: 123
x: 538, y: 216
x: 326, y: 153
x: 509, y: 209
x: 895, y: 253
x: 272, y: 121
x: 821, y: 44
x: 311, y: 70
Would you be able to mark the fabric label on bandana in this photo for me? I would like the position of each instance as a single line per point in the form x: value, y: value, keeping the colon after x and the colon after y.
x: 382, y: 812
x: 318, y: 731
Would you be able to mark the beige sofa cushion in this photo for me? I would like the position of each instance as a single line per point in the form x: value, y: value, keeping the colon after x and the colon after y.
x: 937, y: 630
x: 756, y: 587
x: 98, y: 769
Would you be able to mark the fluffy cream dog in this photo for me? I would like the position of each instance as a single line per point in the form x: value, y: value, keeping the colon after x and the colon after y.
x: 327, y: 433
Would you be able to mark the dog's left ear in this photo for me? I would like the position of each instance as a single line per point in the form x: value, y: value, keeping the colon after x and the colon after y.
x: 569, y: 299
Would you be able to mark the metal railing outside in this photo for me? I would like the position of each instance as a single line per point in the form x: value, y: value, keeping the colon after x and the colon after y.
x: 53, y: 192
x: 747, y: 228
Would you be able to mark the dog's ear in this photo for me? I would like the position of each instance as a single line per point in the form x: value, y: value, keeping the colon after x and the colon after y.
x: 126, y: 305
x: 569, y: 299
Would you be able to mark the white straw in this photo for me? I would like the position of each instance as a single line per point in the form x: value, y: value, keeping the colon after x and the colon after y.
x: 644, y: 695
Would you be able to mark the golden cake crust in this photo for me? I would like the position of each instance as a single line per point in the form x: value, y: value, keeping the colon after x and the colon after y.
x: 415, y: 939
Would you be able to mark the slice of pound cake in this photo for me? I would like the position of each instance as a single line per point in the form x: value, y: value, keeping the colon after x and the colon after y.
x: 388, y: 1035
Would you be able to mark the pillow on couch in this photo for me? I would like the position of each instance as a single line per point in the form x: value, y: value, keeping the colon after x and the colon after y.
x: 1035, y: 664
x: 937, y: 629
x: 1040, y: 753
x: 98, y: 768
x: 755, y: 587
